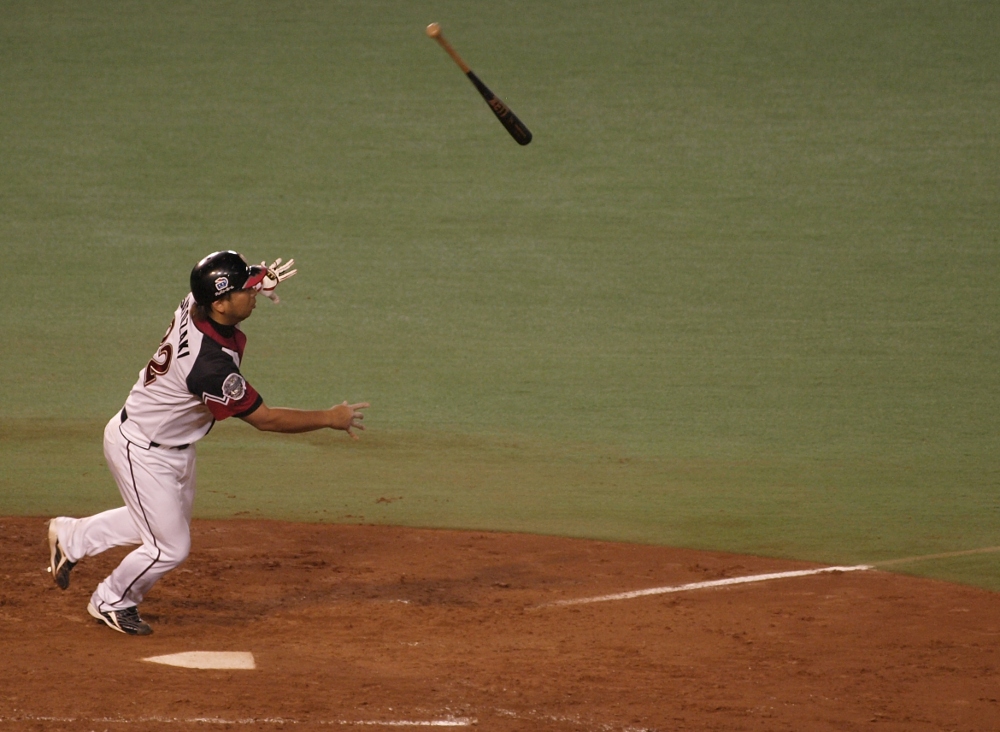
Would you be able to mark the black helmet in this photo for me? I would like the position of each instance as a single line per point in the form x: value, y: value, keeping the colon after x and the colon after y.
x: 223, y: 272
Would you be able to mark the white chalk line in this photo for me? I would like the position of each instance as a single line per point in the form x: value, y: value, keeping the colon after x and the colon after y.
x: 446, y: 722
x: 703, y: 585
x: 576, y: 720
x: 762, y: 578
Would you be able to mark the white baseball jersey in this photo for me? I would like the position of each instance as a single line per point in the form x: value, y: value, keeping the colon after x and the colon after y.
x: 193, y: 380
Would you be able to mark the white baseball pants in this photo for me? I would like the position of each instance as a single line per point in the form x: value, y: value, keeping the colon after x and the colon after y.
x: 157, y: 485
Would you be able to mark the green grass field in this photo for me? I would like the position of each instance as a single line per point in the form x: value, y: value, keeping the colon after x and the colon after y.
x: 740, y: 293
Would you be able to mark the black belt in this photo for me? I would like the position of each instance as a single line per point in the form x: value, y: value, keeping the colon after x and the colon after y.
x: 157, y: 444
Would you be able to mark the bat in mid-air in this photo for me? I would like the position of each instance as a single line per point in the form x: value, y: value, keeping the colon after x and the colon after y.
x: 516, y: 128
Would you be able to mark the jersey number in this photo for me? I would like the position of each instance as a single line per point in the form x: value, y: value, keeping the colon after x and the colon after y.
x: 159, y: 364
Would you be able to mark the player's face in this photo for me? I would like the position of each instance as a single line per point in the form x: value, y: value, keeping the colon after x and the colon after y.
x: 244, y: 301
x: 237, y: 306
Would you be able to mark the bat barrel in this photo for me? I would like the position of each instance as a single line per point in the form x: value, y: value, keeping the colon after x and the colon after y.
x: 517, y: 129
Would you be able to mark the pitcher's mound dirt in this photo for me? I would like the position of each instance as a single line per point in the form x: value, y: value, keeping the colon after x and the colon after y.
x: 381, y: 627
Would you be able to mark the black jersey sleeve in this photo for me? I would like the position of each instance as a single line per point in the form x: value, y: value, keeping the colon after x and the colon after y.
x: 216, y: 380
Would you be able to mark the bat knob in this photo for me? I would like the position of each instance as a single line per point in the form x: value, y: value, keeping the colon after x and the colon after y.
x: 434, y: 30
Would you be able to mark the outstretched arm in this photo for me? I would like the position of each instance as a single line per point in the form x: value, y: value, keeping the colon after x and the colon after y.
x: 343, y: 416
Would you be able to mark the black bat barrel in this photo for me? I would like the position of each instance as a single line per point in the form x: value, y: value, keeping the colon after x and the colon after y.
x: 516, y: 128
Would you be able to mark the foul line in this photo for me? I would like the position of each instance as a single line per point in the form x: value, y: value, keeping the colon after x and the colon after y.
x: 448, y: 722
x: 703, y: 585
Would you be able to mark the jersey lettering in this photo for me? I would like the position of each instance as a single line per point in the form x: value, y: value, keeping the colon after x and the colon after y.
x: 182, y: 338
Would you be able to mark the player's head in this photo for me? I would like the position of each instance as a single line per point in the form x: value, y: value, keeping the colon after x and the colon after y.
x: 221, y: 273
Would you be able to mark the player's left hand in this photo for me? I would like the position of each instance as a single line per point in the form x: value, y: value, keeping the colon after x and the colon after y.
x: 348, y: 417
x: 276, y: 274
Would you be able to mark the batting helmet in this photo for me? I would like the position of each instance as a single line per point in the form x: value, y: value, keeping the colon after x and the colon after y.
x: 223, y: 272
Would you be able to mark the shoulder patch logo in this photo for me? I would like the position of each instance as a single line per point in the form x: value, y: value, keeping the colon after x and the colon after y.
x: 221, y: 283
x: 234, y: 387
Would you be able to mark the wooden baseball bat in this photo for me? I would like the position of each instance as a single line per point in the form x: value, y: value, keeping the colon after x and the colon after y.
x: 516, y: 128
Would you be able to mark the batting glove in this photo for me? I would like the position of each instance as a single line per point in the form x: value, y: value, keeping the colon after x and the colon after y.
x: 276, y: 274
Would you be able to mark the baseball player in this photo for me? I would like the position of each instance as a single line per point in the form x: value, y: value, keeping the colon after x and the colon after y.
x: 191, y: 381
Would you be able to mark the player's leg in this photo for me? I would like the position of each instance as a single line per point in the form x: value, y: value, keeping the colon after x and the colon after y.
x: 72, y: 539
x: 158, y: 488
x: 89, y: 536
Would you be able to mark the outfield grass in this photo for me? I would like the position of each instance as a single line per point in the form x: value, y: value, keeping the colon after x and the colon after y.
x: 739, y: 293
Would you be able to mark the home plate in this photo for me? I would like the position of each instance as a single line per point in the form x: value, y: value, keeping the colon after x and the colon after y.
x: 206, y: 659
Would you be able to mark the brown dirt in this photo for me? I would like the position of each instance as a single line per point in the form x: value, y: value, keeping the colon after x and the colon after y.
x: 363, y: 626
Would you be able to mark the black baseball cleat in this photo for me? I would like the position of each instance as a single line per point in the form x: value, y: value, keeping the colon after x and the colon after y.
x: 59, y: 565
x: 124, y: 621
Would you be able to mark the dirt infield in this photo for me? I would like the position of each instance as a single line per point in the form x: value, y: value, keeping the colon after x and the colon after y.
x: 376, y: 627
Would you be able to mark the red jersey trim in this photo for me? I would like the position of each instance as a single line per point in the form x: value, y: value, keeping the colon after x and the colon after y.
x: 223, y: 407
x: 237, y: 343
